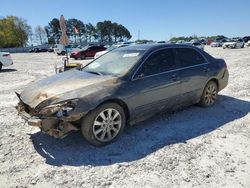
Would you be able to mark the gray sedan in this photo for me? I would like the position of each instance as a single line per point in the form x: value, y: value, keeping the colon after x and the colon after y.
x: 123, y: 87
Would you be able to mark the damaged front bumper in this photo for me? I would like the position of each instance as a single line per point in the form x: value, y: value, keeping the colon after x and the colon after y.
x: 53, y: 126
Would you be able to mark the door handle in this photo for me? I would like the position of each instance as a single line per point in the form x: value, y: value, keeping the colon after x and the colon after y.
x: 206, y: 69
x: 174, y: 77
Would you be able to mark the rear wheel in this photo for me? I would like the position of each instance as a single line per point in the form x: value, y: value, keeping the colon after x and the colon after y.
x: 209, y: 94
x: 104, y: 124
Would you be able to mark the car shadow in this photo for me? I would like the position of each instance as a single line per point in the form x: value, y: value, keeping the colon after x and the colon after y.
x: 8, y: 70
x: 143, y: 139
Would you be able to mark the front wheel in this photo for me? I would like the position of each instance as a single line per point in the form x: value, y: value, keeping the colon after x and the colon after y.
x: 104, y: 124
x: 209, y: 94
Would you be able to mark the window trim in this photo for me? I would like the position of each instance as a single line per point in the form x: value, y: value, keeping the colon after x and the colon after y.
x: 182, y: 68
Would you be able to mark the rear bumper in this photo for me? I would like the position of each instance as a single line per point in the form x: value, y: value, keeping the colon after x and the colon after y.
x: 223, y: 82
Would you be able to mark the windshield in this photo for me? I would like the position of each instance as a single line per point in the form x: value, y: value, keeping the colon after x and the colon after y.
x: 116, y: 62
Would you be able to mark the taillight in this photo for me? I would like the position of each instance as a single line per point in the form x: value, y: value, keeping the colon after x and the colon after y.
x: 225, y: 66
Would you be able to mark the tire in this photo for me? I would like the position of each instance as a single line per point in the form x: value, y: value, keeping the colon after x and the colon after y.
x: 82, y: 57
x: 99, y: 131
x: 209, y: 94
x: 1, y: 66
x: 63, y: 53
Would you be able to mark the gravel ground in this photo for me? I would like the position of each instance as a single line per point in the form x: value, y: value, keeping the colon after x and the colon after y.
x: 194, y: 147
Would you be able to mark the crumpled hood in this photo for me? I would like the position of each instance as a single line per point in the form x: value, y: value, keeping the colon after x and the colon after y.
x: 60, y: 84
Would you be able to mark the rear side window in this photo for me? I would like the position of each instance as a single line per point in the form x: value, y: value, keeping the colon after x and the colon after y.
x: 158, y: 62
x: 189, y: 57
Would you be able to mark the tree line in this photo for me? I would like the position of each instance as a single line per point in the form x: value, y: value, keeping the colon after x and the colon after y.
x: 105, y: 32
x: 195, y: 37
x: 15, y: 32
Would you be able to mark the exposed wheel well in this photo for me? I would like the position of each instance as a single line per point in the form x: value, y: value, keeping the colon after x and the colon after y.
x: 122, y: 104
x: 214, y: 80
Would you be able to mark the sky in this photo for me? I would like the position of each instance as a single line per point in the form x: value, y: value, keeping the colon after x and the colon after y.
x: 156, y: 19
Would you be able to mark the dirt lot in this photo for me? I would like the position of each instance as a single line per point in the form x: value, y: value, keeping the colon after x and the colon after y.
x: 193, y: 147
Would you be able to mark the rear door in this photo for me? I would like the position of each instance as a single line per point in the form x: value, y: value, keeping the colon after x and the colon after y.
x: 194, y: 73
x: 156, y: 85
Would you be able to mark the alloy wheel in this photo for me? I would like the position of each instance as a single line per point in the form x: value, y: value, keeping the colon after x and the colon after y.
x: 107, y: 125
x: 210, y: 94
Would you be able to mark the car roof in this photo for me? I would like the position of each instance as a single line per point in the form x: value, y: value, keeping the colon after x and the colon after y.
x: 148, y: 47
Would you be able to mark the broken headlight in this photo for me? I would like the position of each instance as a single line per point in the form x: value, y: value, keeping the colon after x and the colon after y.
x: 60, y: 109
x: 64, y: 111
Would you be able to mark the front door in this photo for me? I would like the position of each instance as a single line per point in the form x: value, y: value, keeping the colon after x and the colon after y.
x: 156, y: 85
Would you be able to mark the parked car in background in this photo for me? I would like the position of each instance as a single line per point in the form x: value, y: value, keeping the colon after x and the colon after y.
x: 196, y: 44
x: 235, y: 43
x: 246, y: 39
x: 51, y: 49
x: 42, y: 50
x: 203, y: 41
x: 248, y: 43
x: 98, y: 54
x: 5, y: 60
x: 60, y: 49
x: 125, y: 86
x: 38, y: 49
x: 88, y: 51
x: 33, y: 50
x: 216, y: 44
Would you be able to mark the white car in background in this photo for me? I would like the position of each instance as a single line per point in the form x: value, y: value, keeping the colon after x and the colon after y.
x: 196, y: 44
x: 235, y: 43
x: 216, y: 44
x: 248, y: 44
x: 98, y: 54
x: 5, y: 59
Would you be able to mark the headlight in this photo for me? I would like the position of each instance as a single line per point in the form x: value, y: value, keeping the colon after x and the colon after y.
x: 57, y: 108
x: 64, y: 111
